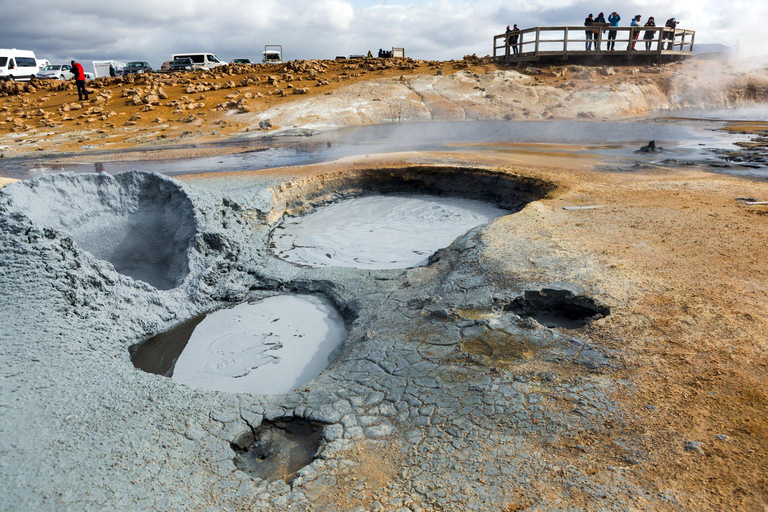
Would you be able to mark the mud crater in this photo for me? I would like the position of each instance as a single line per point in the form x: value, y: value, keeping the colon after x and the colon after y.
x: 405, y: 216
x: 278, y: 450
x: 142, y: 223
x: 269, y: 345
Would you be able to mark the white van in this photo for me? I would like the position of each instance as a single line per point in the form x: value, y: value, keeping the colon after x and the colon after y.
x: 201, y: 60
x: 17, y: 64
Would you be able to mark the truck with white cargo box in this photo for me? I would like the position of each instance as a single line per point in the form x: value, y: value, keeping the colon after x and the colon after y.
x: 101, y: 67
x: 17, y: 64
x: 273, y: 54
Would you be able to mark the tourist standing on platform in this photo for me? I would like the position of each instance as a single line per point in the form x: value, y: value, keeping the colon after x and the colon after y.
x: 599, y: 20
x: 590, y: 33
x: 649, y: 33
x: 671, y: 23
x: 513, y: 35
x: 613, y: 19
x: 635, y: 34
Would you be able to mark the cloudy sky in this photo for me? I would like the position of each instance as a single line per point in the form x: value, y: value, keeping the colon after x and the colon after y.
x: 442, y: 29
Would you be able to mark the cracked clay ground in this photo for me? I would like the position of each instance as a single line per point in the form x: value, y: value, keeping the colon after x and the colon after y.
x: 445, y: 396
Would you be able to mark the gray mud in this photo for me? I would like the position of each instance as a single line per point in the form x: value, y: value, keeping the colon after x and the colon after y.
x: 428, y: 382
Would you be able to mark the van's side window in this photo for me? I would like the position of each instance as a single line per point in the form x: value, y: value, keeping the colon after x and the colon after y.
x: 212, y: 58
x: 26, y: 62
x: 11, y: 64
x: 3, y: 61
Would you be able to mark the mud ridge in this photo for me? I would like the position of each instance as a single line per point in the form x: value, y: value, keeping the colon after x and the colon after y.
x: 508, y: 191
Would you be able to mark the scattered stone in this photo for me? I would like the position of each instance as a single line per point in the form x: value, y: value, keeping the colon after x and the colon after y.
x: 693, y: 446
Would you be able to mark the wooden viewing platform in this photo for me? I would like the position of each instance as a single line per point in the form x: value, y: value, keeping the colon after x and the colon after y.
x: 552, y: 44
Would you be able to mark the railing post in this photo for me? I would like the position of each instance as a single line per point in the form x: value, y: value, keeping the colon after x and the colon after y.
x: 682, y: 42
x: 630, y: 44
x: 661, y: 42
x: 599, y: 41
x: 693, y: 37
x: 538, y: 32
x: 565, y: 40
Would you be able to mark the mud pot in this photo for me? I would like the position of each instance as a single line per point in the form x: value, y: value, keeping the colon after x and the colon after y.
x: 141, y: 223
x: 278, y: 450
x: 379, y: 231
x: 271, y: 346
x: 390, y: 218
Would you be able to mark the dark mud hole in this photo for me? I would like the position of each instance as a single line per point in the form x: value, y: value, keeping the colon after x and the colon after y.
x: 278, y: 450
x: 558, y: 308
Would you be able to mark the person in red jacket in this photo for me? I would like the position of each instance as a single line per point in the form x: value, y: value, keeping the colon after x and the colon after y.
x: 77, y: 70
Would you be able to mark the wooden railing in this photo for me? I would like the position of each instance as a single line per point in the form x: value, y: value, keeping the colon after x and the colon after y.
x: 533, y: 43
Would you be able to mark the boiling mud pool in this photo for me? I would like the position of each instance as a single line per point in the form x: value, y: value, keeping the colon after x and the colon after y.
x: 689, y: 137
x: 381, y: 232
x: 268, y: 347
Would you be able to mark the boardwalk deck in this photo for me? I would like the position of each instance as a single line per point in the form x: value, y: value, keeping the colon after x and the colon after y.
x: 630, y: 44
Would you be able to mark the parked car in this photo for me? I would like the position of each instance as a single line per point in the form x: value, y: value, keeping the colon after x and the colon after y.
x: 136, y: 68
x: 165, y: 67
x: 201, y: 60
x: 55, y: 71
x: 240, y: 61
x: 182, y: 64
x: 89, y: 75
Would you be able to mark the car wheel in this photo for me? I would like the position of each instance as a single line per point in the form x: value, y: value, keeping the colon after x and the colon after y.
x: 11, y: 78
x: 61, y: 77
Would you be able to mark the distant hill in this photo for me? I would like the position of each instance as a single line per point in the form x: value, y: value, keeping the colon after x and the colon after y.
x: 711, y: 48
